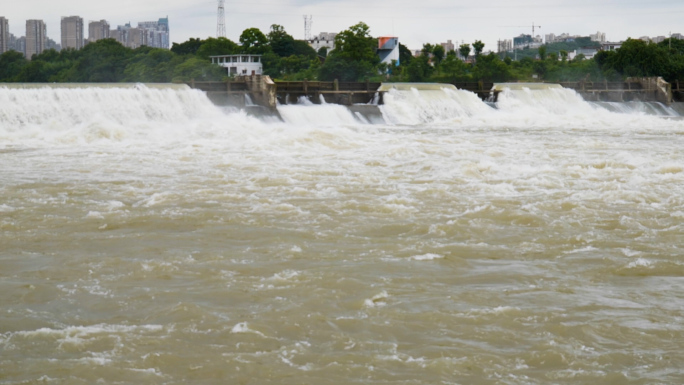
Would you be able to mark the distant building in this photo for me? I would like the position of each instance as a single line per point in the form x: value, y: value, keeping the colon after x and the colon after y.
x: 18, y: 44
x: 678, y: 36
x: 157, y: 33
x: 4, y: 35
x: 448, y: 46
x: 137, y: 37
x: 36, y: 37
x: 150, y: 33
x: 98, y: 30
x: 504, y: 46
x: 237, y: 65
x: 598, y: 37
x: 51, y: 44
x: 588, y: 52
x: 72, y: 32
x: 388, y: 49
x: 607, y: 46
x: 324, y: 39
x: 658, y: 39
x: 562, y: 38
x: 128, y: 36
x: 527, y: 41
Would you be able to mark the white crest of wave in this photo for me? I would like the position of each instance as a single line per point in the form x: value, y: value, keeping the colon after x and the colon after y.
x: 89, y: 114
x: 413, y: 106
x: 556, y: 101
x: 306, y: 113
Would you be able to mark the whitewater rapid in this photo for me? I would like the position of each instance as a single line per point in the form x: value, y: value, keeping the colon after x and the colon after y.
x: 147, y: 236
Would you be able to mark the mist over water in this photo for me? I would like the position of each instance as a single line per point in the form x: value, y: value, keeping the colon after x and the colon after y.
x: 147, y: 236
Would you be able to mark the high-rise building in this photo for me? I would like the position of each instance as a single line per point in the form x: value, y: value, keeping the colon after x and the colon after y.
x: 72, y: 32
x: 448, y: 46
x: 51, y: 44
x: 157, y: 33
x: 505, y: 45
x: 98, y: 30
x: 137, y: 37
x: 4, y: 35
x: 598, y: 36
x: 150, y: 33
x: 18, y: 44
x: 36, y: 37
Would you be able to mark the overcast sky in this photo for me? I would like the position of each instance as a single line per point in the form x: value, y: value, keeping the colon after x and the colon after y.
x: 414, y: 22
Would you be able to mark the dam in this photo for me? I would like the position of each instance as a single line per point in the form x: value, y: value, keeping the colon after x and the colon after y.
x: 246, y: 90
x: 152, y: 236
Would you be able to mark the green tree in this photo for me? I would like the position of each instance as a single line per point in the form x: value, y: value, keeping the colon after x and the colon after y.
x: 542, y: 52
x: 151, y: 65
x: 464, y: 50
x: 419, y: 69
x: 354, y: 56
x: 337, y: 67
x: 198, y: 69
x: 102, y: 61
x: 322, y: 52
x: 216, y: 47
x: 453, y: 67
x: 427, y: 49
x: 405, y: 55
x: 11, y: 64
x: 491, y: 68
x: 189, y: 47
x: 356, y: 44
x: 478, y: 46
x: 438, y: 54
x: 253, y: 41
x: 302, y: 48
x: 282, y: 44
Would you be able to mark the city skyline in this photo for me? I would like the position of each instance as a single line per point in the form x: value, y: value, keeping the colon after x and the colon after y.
x: 431, y: 22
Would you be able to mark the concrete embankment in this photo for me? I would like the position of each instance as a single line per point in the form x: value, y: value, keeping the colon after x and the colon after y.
x: 250, y: 91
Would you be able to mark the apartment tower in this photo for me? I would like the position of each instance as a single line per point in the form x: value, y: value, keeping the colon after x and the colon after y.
x: 4, y: 35
x: 98, y: 30
x: 36, y: 37
x: 72, y: 32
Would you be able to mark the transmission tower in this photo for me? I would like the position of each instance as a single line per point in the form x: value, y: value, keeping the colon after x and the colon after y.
x: 221, y: 19
x: 308, y: 21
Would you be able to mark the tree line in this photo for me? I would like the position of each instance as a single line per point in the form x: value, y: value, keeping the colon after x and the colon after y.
x: 354, y: 58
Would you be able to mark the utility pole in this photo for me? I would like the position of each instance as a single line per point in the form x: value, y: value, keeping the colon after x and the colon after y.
x: 221, y: 19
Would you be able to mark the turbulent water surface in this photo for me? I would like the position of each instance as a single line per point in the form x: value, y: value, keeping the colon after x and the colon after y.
x: 147, y: 236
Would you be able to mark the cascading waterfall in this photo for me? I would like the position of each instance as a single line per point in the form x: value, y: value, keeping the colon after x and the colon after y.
x: 91, y: 112
x: 639, y: 108
x: 411, y: 104
x: 306, y: 113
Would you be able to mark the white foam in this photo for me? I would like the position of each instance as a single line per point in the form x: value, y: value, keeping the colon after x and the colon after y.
x: 6, y: 209
x: 412, y: 107
x: 640, y: 262
x: 243, y: 327
x: 378, y: 300
x: 427, y: 257
x: 306, y: 113
x: 285, y: 275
